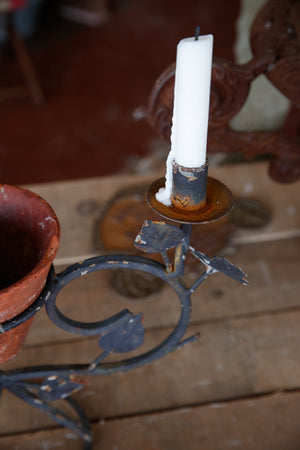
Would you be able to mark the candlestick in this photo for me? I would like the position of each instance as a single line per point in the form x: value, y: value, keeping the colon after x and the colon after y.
x: 196, y: 198
x: 191, y: 108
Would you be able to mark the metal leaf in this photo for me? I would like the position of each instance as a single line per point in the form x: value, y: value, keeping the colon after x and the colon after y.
x: 124, y: 338
x: 158, y: 237
x: 56, y: 388
x: 222, y: 265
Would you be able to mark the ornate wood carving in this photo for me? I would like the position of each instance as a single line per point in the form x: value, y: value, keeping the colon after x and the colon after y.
x: 275, y: 40
x: 277, y: 28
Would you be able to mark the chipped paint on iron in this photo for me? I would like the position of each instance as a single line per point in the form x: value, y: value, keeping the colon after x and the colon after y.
x: 84, y: 272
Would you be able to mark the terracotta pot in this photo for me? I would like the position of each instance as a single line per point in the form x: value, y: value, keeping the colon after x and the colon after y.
x: 29, y: 240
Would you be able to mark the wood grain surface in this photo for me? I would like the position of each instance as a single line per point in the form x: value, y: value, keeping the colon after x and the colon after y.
x: 237, y: 387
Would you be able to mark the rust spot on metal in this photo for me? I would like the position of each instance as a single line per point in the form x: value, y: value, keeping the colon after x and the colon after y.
x: 219, y: 202
x: 138, y: 239
x: 189, y: 174
x: 182, y: 200
x: 169, y: 268
x: 189, y: 187
x: 46, y: 388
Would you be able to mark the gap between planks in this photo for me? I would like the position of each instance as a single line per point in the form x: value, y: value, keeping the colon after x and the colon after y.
x: 242, y: 358
x: 249, y: 180
x: 198, y: 323
x: 274, y: 286
x: 267, y: 419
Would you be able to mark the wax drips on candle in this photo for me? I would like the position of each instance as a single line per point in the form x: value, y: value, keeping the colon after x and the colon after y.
x: 164, y: 194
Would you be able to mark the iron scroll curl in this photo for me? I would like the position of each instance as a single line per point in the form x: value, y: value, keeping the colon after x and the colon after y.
x: 119, y: 322
x: 123, y: 332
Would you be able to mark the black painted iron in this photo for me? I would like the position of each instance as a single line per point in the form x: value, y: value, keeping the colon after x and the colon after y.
x: 189, y: 187
x: 122, y: 333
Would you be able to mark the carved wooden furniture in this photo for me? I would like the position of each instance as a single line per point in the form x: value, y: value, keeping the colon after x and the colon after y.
x: 275, y: 41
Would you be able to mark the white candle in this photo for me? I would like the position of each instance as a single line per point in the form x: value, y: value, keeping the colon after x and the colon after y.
x: 192, y: 93
x: 191, y: 108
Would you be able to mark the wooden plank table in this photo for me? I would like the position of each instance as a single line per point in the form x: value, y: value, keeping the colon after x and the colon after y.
x: 238, y: 387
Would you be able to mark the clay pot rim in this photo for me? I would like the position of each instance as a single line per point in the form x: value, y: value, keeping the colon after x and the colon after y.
x: 53, y: 244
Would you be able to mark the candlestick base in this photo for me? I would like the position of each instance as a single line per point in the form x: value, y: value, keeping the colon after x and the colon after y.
x: 219, y: 201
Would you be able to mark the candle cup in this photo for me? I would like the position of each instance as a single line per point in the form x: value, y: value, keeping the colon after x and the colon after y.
x: 29, y: 240
x: 189, y: 187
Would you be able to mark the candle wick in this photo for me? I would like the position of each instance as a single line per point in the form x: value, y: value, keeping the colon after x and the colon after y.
x: 197, y: 32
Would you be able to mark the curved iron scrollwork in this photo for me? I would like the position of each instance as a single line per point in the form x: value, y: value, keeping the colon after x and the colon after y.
x: 276, y: 48
x: 122, y: 333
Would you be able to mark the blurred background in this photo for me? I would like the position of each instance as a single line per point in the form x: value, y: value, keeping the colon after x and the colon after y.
x: 96, y: 62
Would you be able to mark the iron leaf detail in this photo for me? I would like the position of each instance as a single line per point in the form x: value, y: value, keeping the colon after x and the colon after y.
x: 126, y: 337
x: 222, y: 265
x: 57, y: 388
x: 157, y: 237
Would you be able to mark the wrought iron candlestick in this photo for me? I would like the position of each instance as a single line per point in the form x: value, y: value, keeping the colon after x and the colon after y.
x: 196, y: 199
